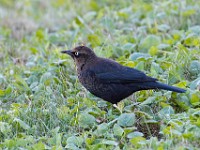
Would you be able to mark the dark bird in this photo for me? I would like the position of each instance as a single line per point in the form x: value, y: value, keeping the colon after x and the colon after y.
x: 108, y: 79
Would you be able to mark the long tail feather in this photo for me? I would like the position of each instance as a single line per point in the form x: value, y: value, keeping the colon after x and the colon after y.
x: 158, y: 85
x: 169, y: 88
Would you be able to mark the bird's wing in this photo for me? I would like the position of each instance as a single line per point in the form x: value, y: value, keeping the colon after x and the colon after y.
x: 126, y: 75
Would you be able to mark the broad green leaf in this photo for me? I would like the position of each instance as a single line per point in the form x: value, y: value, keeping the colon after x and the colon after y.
x: 136, y: 55
x: 94, y: 40
x: 39, y: 145
x: 140, y: 66
x: 195, y: 29
x: 155, y: 69
x: 148, y: 42
x: 2, y: 93
x: 86, y: 120
x: 163, y: 46
x: 126, y: 119
x: 2, y: 79
x: 122, y: 15
x: 40, y: 34
x: 102, y: 128
x: 45, y: 77
x: 183, y: 102
x: 194, y: 67
x: 181, y: 84
x: 21, y: 84
x: 195, y: 98
x: 189, y: 12
x: 163, y: 27
x: 166, y: 111
x: 5, y: 128
x: 153, y: 51
x: 195, y: 84
x: 118, y: 131
x: 79, y: 21
x: 94, y: 5
x: 74, y: 141
x: 129, y: 46
x: 8, y: 90
x: 90, y: 15
x: 135, y: 134
x: 89, y: 141
x: 149, y: 100
x: 109, y: 142
x: 136, y: 140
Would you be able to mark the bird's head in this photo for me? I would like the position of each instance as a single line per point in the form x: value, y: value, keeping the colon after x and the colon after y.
x: 81, y: 55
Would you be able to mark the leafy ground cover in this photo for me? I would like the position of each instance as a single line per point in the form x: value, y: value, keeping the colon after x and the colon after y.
x: 43, y: 106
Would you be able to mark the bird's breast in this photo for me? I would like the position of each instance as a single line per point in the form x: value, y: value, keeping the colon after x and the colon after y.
x: 87, y: 79
x: 90, y: 82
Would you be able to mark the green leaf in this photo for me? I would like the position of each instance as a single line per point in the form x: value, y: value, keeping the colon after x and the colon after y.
x: 155, y: 69
x: 102, y: 128
x: 195, y: 29
x: 2, y: 93
x: 94, y: 5
x: 149, y: 100
x: 89, y: 141
x: 45, y: 77
x: 5, y: 128
x: 195, y: 84
x: 86, y: 120
x: 163, y: 27
x: 194, y: 68
x: 126, y: 119
x: 134, y: 134
x: 40, y: 34
x: 94, y: 40
x: 166, y: 111
x: 195, y: 98
x: 8, y: 90
x: 22, y: 124
x: 39, y: 145
x: 148, y: 42
x: 129, y: 46
x: 79, y: 21
x: 163, y: 46
x: 118, y: 131
x: 183, y: 102
x: 2, y: 79
x: 140, y: 65
x: 21, y: 84
x: 188, y: 12
x: 109, y: 142
x: 153, y: 51
x: 136, y: 140
x: 90, y: 16
x: 135, y: 56
x: 74, y: 142
x: 181, y: 84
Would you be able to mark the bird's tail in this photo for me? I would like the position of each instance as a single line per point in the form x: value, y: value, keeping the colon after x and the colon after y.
x: 170, y: 88
x: 158, y: 85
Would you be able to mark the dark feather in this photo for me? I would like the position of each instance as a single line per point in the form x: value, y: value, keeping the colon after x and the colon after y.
x: 127, y: 75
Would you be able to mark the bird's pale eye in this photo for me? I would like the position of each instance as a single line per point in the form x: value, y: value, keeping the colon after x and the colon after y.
x: 76, y: 54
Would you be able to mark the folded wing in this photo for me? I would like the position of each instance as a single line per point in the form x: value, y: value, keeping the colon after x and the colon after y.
x: 127, y: 75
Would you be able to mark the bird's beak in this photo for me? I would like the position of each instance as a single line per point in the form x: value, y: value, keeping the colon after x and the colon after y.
x: 69, y: 52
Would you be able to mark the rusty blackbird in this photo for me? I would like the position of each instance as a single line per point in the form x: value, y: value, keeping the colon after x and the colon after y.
x: 108, y: 79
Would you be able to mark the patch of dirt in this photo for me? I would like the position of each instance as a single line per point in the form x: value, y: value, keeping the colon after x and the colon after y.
x: 149, y: 129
